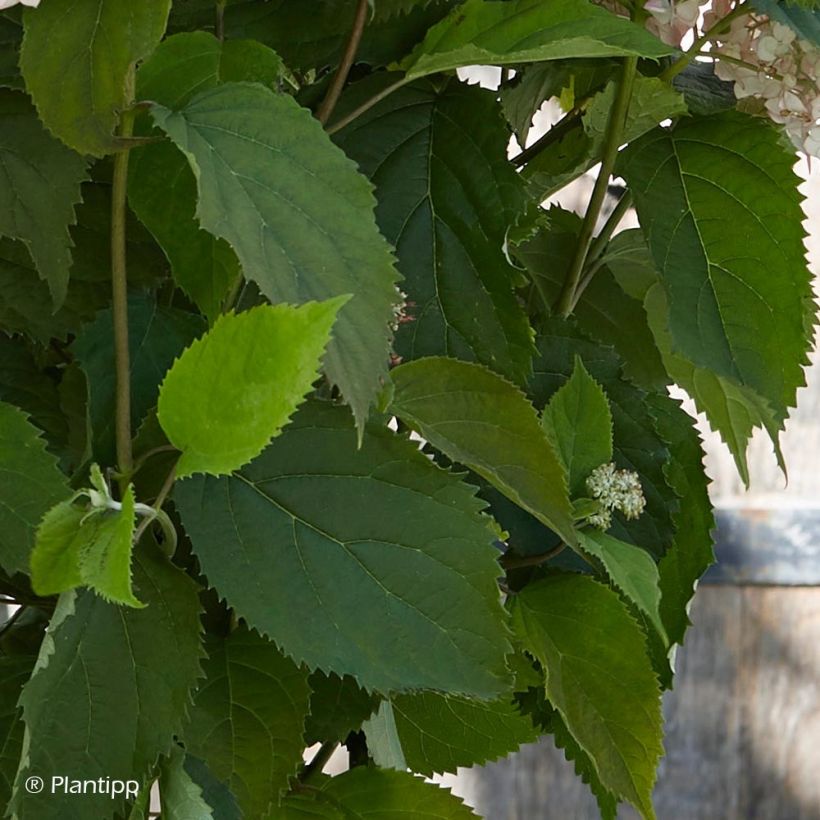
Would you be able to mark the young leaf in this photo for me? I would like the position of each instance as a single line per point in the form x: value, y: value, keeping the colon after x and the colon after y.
x: 41, y: 186
x: 235, y: 388
x: 630, y: 569
x: 439, y: 733
x: 383, y: 742
x: 181, y: 798
x: 394, y: 535
x: 31, y: 484
x: 157, y: 335
x: 447, y: 197
x: 75, y: 59
x: 75, y: 547
x: 146, y: 661
x: 598, y: 677
x: 367, y: 793
x: 488, y: 32
x: 298, y: 215
x: 578, y: 422
x: 482, y: 421
x: 718, y: 202
x: 248, y: 718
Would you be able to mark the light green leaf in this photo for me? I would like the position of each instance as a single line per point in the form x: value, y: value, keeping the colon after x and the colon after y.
x: 40, y: 187
x: 367, y: 793
x: 298, y: 215
x: 181, y: 798
x: 447, y: 197
x: 146, y: 661
x: 30, y: 484
x: 214, y: 792
x: 383, y: 742
x: 248, y: 718
x: 578, y: 423
x: 402, y: 538
x: 598, y: 677
x: 75, y: 58
x: 629, y: 261
x: 235, y: 388
x: 156, y: 336
x: 718, y: 202
x: 485, y: 32
x: 78, y: 546
x: 439, y: 733
x: 802, y: 17
x: 630, y: 569
x: 482, y: 421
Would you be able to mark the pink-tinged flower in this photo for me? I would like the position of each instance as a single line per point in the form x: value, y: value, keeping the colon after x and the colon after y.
x: 7, y: 4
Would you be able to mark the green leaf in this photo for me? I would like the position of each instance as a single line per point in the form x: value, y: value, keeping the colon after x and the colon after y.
x: 161, y: 185
x: 630, y: 569
x: 31, y: 484
x: 482, y: 421
x: 78, y: 546
x: 447, y: 197
x: 578, y: 423
x: 145, y: 661
x: 802, y: 18
x: 338, y: 705
x: 393, y: 533
x: 248, y: 718
x: 181, y: 798
x: 367, y: 793
x: 40, y: 187
x: 297, y: 214
x: 157, y: 335
x: 598, y: 677
x: 89, y: 45
x: 526, y: 31
x: 604, y: 311
x: 15, y: 670
x: 439, y: 733
x: 691, y: 553
x: 215, y: 793
x: 704, y: 92
x: 383, y: 744
x: 718, y: 202
x: 234, y: 389
x: 11, y: 35
x: 636, y: 443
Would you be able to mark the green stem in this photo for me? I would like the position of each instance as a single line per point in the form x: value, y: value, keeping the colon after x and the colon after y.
x: 618, y: 213
x: 119, y: 289
x: 367, y: 105
x: 612, y: 141
x: 219, y: 28
x: 518, y: 561
x: 340, y: 77
x: 562, y: 127
x: 694, y: 50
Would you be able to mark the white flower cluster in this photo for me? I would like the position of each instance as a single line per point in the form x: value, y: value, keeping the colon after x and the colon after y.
x: 7, y: 4
x: 615, y: 490
x: 774, y: 66
x: 672, y: 19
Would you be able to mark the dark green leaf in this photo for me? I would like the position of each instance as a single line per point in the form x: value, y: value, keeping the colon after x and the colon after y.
x: 39, y: 187
x: 578, y: 422
x: 438, y: 733
x: 447, y: 197
x: 89, y: 45
x: 157, y: 335
x: 146, y: 661
x: 704, y: 92
x: 30, y: 483
x: 520, y: 31
x: 482, y: 421
x: 248, y: 718
x: 181, y: 797
x: 338, y: 705
x: 718, y: 202
x: 234, y: 389
x: 297, y: 214
x: 215, y: 793
x: 598, y: 677
x: 391, y: 579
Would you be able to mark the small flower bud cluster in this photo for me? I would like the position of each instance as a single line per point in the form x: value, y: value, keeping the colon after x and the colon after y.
x: 615, y: 490
x: 400, y: 316
x: 780, y: 69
